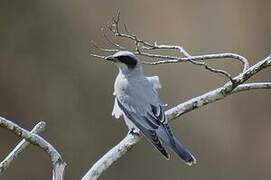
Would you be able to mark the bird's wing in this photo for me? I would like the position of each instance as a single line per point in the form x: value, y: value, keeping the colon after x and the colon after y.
x: 147, y: 124
x: 117, y: 112
x: 142, y: 105
x: 155, y: 82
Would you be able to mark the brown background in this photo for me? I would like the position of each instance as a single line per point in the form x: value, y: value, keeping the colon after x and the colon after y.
x: 47, y: 74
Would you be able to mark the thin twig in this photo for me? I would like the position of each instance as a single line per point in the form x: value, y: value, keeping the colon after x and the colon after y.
x: 97, y: 56
x: 176, y: 59
x: 94, y: 44
x: 219, y: 71
x: 238, y: 57
x: 111, y: 42
x: 141, y: 45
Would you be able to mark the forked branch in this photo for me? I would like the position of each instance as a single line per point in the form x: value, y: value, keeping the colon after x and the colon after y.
x: 56, y: 159
x: 5, y: 164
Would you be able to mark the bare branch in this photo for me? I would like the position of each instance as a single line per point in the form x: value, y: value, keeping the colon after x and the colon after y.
x: 35, y: 139
x: 219, y: 71
x: 59, y: 171
x: 252, y: 86
x: 130, y: 140
x: 175, y: 59
x: 111, y: 156
x: 221, y: 92
x: 141, y: 45
x: 188, y: 57
x: 94, y: 44
x: 5, y: 164
x: 171, y: 47
x: 149, y: 46
x: 111, y: 42
x: 115, y: 29
x: 97, y: 56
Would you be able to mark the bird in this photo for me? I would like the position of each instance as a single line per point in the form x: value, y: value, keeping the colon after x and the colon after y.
x: 138, y: 101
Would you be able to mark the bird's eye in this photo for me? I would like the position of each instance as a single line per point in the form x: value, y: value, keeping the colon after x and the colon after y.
x: 129, y: 61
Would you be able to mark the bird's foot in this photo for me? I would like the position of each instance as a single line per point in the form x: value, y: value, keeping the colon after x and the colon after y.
x: 134, y: 131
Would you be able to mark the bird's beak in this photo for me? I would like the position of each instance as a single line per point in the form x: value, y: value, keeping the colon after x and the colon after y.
x: 110, y: 58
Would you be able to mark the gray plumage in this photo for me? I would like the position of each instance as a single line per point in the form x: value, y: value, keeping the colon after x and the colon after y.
x: 137, y: 99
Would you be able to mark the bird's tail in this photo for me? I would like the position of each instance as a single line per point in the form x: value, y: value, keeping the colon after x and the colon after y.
x: 183, y: 152
x: 176, y: 146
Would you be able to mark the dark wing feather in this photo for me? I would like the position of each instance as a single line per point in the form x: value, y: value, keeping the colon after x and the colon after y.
x: 141, y: 104
x: 158, y: 115
x: 149, y: 131
x: 165, y: 133
x: 155, y: 126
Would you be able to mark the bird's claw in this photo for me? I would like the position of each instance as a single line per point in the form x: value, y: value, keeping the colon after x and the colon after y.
x: 134, y: 131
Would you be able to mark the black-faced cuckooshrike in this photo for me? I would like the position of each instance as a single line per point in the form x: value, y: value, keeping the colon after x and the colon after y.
x: 136, y: 98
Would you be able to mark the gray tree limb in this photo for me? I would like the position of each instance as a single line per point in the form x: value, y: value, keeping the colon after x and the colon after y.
x: 5, y: 164
x: 111, y: 156
x: 56, y: 159
x: 222, y: 92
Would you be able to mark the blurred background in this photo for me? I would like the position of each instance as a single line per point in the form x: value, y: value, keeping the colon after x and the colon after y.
x: 46, y: 73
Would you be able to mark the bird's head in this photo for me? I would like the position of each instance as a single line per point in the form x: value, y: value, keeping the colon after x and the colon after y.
x: 126, y: 61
